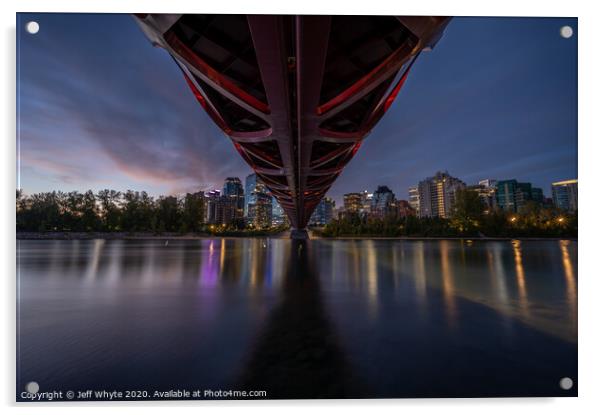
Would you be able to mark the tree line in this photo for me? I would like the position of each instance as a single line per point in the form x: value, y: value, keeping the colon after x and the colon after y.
x: 109, y: 211
x: 470, y: 219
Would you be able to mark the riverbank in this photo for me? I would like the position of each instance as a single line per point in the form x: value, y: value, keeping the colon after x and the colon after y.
x: 445, y: 238
x: 138, y: 235
x: 279, y: 235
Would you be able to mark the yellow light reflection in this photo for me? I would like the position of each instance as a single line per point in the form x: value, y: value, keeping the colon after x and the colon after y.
x: 571, y: 282
x: 520, y: 278
x: 254, y: 267
x: 222, y: 256
x: 420, y: 271
x: 448, y: 283
x: 372, y: 272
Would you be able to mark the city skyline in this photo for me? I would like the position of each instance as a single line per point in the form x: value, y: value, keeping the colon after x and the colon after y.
x: 143, y: 129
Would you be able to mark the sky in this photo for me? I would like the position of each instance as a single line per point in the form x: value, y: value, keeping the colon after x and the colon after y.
x: 100, y: 107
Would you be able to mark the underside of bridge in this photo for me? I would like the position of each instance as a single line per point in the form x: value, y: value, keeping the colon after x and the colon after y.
x: 295, y: 94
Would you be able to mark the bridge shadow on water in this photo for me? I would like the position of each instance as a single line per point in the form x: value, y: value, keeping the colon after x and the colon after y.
x: 298, y: 354
x: 312, y: 347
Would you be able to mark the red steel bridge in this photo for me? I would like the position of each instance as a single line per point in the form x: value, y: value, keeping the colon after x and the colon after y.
x: 296, y: 94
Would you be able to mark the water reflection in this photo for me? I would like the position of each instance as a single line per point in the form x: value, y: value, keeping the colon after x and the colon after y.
x: 571, y: 283
x: 520, y: 278
x: 297, y: 353
x: 308, y: 319
x: 420, y: 271
x: 448, y: 281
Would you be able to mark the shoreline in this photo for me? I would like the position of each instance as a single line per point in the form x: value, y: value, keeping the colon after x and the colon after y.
x: 41, y: 236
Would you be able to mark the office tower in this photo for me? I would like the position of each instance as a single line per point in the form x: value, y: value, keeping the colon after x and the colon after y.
x: 278, y: 215
x: 250, y: 183
x: 383, y: 203
x: 414, y: 198
x: 323, y: 213
x: 220, y: 209
x: 366, y: 203
x: 233, y: 190
x: 254, y: 188
x: 260, y: 212
x: 212, y: 201
x: 512, y: 195
x: 353, y: 203
x: 438, y: 195
x: 564, y: 195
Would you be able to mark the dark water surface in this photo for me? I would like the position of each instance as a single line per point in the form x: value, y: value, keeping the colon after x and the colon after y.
x: 322, y: 318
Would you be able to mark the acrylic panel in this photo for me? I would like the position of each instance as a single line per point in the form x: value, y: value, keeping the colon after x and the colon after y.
x: 295, y: 207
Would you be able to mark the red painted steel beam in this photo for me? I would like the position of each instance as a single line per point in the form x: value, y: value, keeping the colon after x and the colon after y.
x: 291, y: 54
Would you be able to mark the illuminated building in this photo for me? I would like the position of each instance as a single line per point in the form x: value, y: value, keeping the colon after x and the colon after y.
x: 211, y: 202
x: 414, y: 198
x: 221, y: 209
x: 323, y: 213
x: 383, y: 203
x: 564, y: 195
x: 366, y: 203
x: 353, y: 203
x: 278, y: 215
x: 260, y: 212
x: 233, y: 190
x: 438, y: 195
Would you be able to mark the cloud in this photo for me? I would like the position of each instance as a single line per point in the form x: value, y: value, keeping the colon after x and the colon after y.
x: 126, y: 110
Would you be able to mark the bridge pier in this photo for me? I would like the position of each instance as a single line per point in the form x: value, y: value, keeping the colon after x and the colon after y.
x: 299, y: 234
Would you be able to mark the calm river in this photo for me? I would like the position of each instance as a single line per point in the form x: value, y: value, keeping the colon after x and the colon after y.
x: 322, y: 318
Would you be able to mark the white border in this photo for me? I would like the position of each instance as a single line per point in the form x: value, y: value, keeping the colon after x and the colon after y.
x: 590, y: 137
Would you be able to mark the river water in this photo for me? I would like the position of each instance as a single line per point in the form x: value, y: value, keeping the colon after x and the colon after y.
x: 322, y: 318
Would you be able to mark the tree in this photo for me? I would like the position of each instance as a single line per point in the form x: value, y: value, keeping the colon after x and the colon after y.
x: 110, y: 209
x: 468, y: 211
x: 168, y: 213
x: 193, y: 212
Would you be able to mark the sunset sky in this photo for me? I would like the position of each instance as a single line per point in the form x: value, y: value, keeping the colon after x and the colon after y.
x: 99, y: 107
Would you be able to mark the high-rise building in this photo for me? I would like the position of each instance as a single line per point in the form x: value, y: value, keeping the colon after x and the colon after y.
x: 278, y: 215
x: 220, y: 209
x: 366, y: 203
x: 250, y: 183
x: 353, y: 203
x: 260, y: 211
x: 254, y: 190
x: 438, y: 194
x: 564, y: 195
x: 323, y: 213
x: 512, y: 195
x: 212, y: 200
x: 233, y: 190
x: 383, y: 203
x: 414, y: 198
